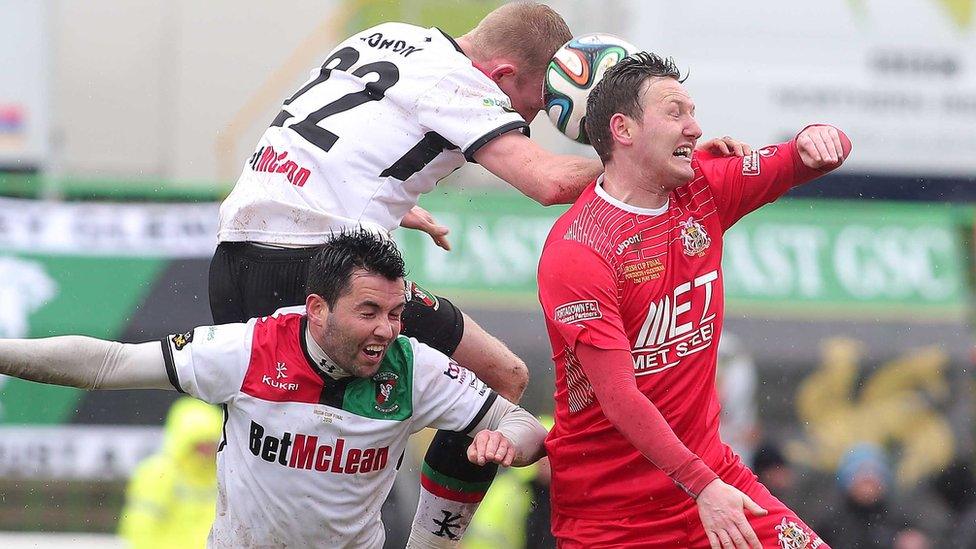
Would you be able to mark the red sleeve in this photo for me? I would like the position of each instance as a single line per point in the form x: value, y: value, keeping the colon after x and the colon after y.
x: 611, y: 374
x: 578, y: 292
x: 742, y: 184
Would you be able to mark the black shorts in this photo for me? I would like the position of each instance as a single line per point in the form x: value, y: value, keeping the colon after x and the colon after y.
x: 248, y: 281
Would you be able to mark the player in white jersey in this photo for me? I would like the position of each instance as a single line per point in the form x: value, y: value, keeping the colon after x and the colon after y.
x: 318, y: 400
x: 390, y: 112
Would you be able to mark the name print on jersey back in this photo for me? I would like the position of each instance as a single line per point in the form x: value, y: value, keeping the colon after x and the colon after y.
x: 379, y: 41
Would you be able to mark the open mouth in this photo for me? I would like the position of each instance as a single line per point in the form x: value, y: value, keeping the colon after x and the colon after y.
x: 682, y: 152
x: 373, y: 351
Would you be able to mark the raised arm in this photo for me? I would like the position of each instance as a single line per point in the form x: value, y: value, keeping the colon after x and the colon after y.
x: 550, y: 178
x: 822, y: 147
x: 543, y: 176
x: 85, y: 363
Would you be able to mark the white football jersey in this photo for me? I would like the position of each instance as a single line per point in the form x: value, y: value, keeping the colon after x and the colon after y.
x: 390, y: 112
x: 307, y: 460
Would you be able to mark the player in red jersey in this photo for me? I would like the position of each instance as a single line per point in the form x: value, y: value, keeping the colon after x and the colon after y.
x: 631, y: 284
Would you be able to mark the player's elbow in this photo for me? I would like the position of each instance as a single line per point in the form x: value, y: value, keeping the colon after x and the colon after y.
x: 516, y: 381
x: 548, y: 195
x: 546, y: 182
x: 540, y: 188
x: 619, y: 402
x: 551, y: 191
x: 551, y: 200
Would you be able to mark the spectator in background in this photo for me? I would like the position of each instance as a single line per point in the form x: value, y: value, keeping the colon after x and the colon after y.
x: 911, y: 538
x: 957, y: 489
x: 515, y: 512
x: 774, y: 472
x: 736, y: 380
x: 172, y: 496
x: 865, y: 519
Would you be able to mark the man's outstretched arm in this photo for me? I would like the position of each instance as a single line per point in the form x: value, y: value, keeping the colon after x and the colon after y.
x: 543, y: 176
x: 550, y: 178
x: 85, y: 363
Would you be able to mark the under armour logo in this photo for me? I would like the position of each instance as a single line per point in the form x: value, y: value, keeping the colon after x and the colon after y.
x: 281, y: 370
x: 448, y: 526
x: 328, y: 366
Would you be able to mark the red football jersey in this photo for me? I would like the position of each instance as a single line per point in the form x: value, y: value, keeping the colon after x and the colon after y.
x: 616, y: 276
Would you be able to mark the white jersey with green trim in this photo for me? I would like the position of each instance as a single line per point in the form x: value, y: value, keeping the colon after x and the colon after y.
x: 307, y: 460
x: 391, y: 111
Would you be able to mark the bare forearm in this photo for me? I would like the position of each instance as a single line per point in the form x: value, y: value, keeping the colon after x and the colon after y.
x: 85, y: 362
x: 537, y: 173
x: 491, y: 361
x: 570, y: 175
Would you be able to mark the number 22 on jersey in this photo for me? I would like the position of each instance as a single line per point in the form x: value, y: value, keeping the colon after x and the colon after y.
x: 387, y: 75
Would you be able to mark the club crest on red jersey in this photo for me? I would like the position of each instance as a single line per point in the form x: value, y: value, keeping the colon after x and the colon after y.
x: 385, y: 384
x: 791, y: 536
x: 694, y: 237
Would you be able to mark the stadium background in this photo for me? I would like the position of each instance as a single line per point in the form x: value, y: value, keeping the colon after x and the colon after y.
x: 122, y: 124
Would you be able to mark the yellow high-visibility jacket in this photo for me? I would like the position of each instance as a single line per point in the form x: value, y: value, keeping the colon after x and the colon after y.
x: 172, y: 496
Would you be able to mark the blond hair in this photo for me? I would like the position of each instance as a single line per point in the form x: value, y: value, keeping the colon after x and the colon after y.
x: 528, y: 33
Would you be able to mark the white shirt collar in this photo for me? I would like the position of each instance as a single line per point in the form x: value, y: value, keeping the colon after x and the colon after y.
x: 602, y: 193
x: 322, y: 360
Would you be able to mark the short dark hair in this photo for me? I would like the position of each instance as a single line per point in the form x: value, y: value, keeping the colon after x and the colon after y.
x: 330, y: 272
x: 619, y: 92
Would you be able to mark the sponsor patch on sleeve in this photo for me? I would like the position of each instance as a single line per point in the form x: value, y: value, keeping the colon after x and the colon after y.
x: 416, y: 293
x: 182, y: 340
x: 577, y: 311
x: 750, y: 164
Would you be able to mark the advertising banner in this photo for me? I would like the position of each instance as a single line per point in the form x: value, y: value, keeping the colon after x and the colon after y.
x: 792, y: 258
x: 75, y: 452
x: 899, y: 77
x: 135, y: 272
x: 87, y: 269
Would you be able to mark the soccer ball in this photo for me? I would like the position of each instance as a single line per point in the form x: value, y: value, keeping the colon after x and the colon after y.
x: 572, y: 73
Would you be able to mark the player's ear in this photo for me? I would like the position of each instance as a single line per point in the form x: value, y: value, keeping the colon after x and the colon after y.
x: 501, y: 71
x: 317, y: 309
x: 622, y: 128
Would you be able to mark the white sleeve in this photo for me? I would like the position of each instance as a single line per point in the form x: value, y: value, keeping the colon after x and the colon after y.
x: 469, y: 110
x: 521, y: 428
x: 84, y: 362
x: 445, y: 395
x: 209, y: 362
